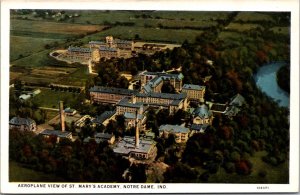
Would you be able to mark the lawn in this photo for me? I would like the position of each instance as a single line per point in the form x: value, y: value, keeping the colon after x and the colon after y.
x: 76, y: 78
x: 243, y: 27
x: 17, y: 173
x: 139, y: 18
x: 281, y: 30
x: 52, y: 27
x: 147, y: 34
x: 278, y: 174
x: 50, y: 98
x: 21, y: 46
x: 253, y: 17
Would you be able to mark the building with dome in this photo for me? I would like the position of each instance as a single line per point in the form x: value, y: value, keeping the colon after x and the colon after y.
x: 202, y: 115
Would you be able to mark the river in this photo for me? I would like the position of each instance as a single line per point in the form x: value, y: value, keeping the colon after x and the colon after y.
x: 265, y: 79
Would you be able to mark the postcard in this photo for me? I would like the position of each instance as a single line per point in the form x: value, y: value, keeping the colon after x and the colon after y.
x: 149, y: 96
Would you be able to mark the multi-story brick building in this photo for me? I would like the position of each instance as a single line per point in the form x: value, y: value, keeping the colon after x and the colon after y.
x: 78, y: 54
x: 153, y: 81
x: 181, y: 133
x: 194, y: 92
x: 99, y: 94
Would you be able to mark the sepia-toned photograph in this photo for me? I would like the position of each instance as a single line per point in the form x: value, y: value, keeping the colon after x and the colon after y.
x: 125, y: 99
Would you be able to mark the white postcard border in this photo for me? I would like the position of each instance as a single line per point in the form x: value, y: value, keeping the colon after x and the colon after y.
x: 216, y: 5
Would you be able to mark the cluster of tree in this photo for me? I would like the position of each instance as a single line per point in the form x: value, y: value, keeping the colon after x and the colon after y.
x: 25, y: 109
x: 61, y: 88
x: 283, y: 78
x: 74, y: 161
x: 109, y: 75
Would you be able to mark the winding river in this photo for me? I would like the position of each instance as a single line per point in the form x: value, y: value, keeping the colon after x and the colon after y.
x: 265, y: 79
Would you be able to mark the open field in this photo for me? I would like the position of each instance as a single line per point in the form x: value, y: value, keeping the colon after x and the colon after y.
x: 23, y: 46
x: 76, y: 78
x: 281, y: 30
x: 17, y: 173
x: 253, y: 17
x: 53, y: 27
x: 146, y: 34
x: 63, y: 75
x: 50, y: 98
x: 139, y: 18
x: 278, y: 174
x: 243, y: 27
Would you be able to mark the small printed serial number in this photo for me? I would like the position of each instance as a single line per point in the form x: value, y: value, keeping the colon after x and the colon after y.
x: 262, y: 187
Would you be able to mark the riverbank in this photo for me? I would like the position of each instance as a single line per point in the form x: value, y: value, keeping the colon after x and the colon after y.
x: 266, y: 80
x: 283, y: 78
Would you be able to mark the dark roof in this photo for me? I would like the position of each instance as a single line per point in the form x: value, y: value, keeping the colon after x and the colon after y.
x: 21, y: 121
x: 104, y: 48
x: 105, y: 115
x: 113, y: 90
x: 197, y: 127
x: 237, y: 100
x: 193, y: 87
x: 218, y: 107
x: 174, y: 128
x: 119, y: 41
x: 79, y: 49
x: 106, y: 136
x: 96, y: 42
x: 202, y: 111
x: 58, y: 133
x: 125, y: 102
x: 163, y: 95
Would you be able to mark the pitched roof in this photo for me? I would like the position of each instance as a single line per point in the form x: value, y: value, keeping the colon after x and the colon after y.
x: 163, y: 95
x: 127, y: 145
x: 79, y: 49
x: 21, y: 121
x: 112, y: 90
x: 96, y: 42
x: 174, y: 128
x: 193, y: 87
x: 58, y: 133
x: 197, y: 127
x: 125, y: 102
x: 104, y: 48
x: 237, y: 100
x: 129, y: 115
x: 104, y: 116
x: 202, y: 111
x: 104, y: 135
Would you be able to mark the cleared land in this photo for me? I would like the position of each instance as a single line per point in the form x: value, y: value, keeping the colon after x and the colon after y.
x: 253, y: 17
x: 281, y: 30
x: 50, y: 98
x: 243, y: 27
x: 53, y: 27
x: 139, y: 18
x: 17, y: 173
x: 23, y: 46
x: 147, y: 34
x: 274, y: 174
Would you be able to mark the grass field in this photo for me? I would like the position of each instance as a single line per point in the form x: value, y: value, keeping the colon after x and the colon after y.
x: 23, y: 45
x: 281, y: 30
x: 76, y: 78
x: 52, y: 27
x: 253, y: 17
x: 49, y: 98
x: 147, y: 34
x: 17, y: 173
x: 278, y: 174
x: 242, y: 27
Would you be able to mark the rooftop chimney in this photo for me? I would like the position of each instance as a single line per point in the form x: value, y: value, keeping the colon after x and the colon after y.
x: 62, y: 115
x: 137, y: 133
